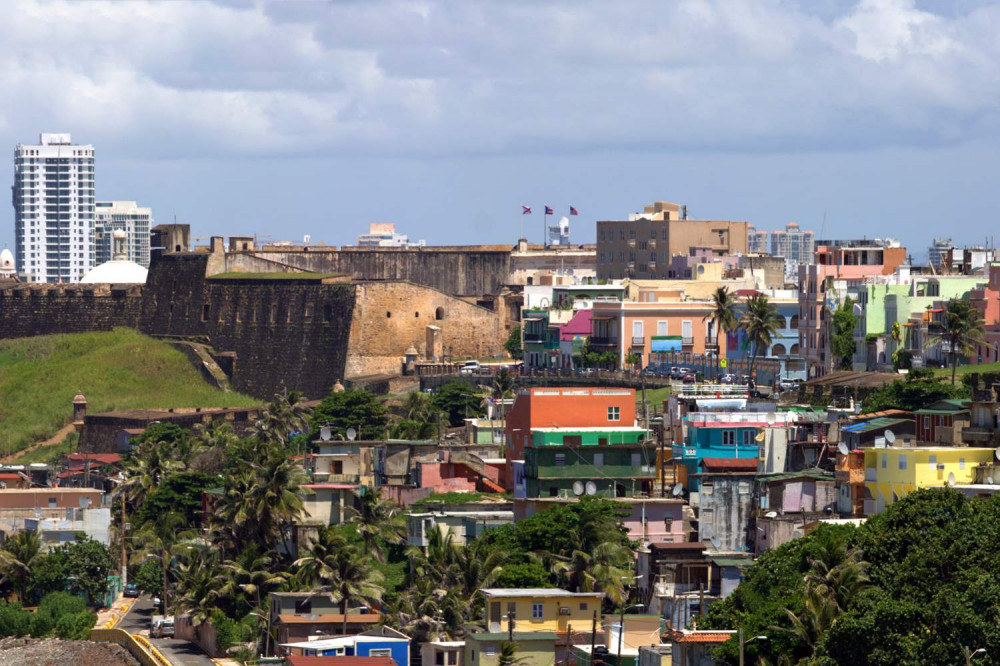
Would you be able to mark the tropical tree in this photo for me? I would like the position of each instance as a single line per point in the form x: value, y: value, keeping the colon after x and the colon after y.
x: 761, y: 322
x: 197, y: 584
x: 513, y: 343
x: 508, y: 655
x: 842, y: 343
x: 380, y: 523
x: 20, y: 553
x: 284, y: 417
x: 333, y: 561
x: 603, y: 569
x: 724, y: 315
x: 146, y: 467
x: 156, y: 540
x: 960, y: 330
x: 247, y: 580
x: 415, y: 418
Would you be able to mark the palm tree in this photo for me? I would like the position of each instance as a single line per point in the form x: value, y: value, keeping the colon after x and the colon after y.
x: 334, y: 562
x: 961, y: 329
x: 501, y: 390
x: 379, y: 522
x: 251, y: 576
x: 603, y: 569
x: 761, y: 322
x: 156, y: 540
x: 197, y: 584
x: 146, y: 467
x: 508, y: 655
x: 16, y: 559
x: 724, y: 315
x: 283, y: 417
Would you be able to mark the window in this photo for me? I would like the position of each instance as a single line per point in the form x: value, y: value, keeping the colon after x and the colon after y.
x: 380, y: 652
x: 560, y: 460
x: 489, y: 651
x: 598, y: 459
x: 205, y: 311
x: 572, y: 440
x: 583, y: 606
x: 452, y: 658
x: 902, y: 462
x: 927, y: 422
x: 961, y: 463
x: 388, y: 315
x: 614, y: 413
x: 439, y: 314
x: 53, y: 503
x: 747, y: 437
x: 636, y: 459
x: 729, y: 438
x: 884, y: 460
x: 537, y: 611
x: 439, y: 659
x: 932, y: 461
x: 661, y: 328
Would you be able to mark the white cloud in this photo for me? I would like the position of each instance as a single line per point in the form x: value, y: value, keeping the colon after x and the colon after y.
x: 445, y: 78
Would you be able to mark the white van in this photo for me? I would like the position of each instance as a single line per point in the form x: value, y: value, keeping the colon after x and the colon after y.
x: 162, y: 626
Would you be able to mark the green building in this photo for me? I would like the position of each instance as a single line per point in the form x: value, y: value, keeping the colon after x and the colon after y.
x: 613, y: 462
x: 894, y: 302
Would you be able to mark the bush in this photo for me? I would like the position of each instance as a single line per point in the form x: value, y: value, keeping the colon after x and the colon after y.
x: 62, y: 613
x: 76, y: 626
x: 14, y: 620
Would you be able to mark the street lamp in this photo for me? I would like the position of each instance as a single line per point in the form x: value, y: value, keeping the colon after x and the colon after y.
x: 744, y: 642
x: 969, y: 655
x: 267, y: 636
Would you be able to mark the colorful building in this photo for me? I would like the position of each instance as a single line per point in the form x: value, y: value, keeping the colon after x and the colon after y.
x: 380, y: 642
x: 891, y: 473
x: 535, y: 648
x: 539, y: 609
x: 942, y: 422
x: 720, y: 435
x: 645, y: 328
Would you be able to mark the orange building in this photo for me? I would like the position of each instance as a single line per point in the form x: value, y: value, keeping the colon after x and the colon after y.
x: 567, y: 407
x: 642, y: 328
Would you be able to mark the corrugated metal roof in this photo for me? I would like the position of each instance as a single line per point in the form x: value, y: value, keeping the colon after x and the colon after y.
x: 874, y: 424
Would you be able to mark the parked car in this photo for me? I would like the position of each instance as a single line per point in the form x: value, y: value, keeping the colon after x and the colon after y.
x: 162, y: 626
x: 686, y: 371
x: 689, y: 378
x: 675, y: 372
x: 789, y: 384
x: 650, y: 371
x: 131, y: 591
x: 727, y: 379
x: 470, y: 368
x: 586, y: 372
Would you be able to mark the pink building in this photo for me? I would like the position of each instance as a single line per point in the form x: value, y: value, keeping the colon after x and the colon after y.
x: 986, y: 299
x: 849, y: 262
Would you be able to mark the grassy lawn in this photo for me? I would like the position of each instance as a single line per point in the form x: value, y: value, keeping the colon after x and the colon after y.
x: 49, y: 452
x: 115, y: 370
x: 653, y: 396
x: 967, y: 369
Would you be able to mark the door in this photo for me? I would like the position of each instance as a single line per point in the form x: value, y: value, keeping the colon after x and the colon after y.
x: 494, y: 616
x: 637, y: 336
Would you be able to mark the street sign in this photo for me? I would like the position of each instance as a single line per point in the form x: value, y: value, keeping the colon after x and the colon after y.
x: 722, y: 363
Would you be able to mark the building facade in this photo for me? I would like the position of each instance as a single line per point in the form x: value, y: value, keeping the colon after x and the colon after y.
x: 383, y: 234
x: 892, y: 473
x: 136, y: 221
x: 644, y: 245
x: 53, y: 197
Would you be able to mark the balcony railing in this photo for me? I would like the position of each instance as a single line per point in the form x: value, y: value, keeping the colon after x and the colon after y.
x: 533, y: 338
x: 687, y: 340
x: 711, y: 340
x: 638, y: 341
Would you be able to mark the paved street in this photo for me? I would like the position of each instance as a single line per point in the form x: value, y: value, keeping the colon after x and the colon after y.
x: 180, y: 653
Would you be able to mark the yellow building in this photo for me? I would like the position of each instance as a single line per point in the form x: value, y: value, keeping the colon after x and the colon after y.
x: 540, y: 609
x: 533, y: 648
x: 891, y: 473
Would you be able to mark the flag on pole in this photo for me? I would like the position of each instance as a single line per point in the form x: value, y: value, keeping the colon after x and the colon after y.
x: 525, y: 210
x: 548, y: 210
x: 573, y: 211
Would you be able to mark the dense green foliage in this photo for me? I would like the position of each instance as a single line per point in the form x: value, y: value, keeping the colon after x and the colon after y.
x: 919, y: 389
x: 513, y: 343
x: 842, y: 335
x: 179, y: 493
x: 960, y: 329
x: 59, y: 614
x: 913, y: 585
x: 120, y: 369
x: 350, y: 408
x: 761, y: 322
x: 458, y: 401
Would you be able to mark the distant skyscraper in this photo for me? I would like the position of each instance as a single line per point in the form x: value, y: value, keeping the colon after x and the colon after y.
x: 53, y: 197
x: 937, y: 250
x: 794, y: 244
x: 128, y: 216
x: 383, y: 234
x: 756, y: 241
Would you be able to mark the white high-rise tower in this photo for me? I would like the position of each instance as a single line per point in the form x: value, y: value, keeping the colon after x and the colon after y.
x: 53, y: 198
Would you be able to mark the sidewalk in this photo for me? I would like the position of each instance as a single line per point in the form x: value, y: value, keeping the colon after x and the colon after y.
x: 110, y: 617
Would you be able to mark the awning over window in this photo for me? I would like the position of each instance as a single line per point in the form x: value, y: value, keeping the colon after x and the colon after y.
x: 666, y: 343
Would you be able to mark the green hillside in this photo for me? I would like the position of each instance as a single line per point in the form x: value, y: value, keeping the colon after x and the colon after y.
x: 116, y: 370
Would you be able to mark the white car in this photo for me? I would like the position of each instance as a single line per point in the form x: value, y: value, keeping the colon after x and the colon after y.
x: 470, y: 368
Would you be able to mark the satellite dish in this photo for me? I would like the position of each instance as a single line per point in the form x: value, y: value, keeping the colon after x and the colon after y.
x: 890, y: 437
x: 842, y: 449
x: 989, y: 480
x: 324, y: 433
x: 591, y: 488
x: 770, y: 418
x: 677, y: 490
x: 951, y: 478
x: 996, y: 453
x: 771, y: 514
x: 352, y: 434
x: 716, y: 543
x: 577, y: 488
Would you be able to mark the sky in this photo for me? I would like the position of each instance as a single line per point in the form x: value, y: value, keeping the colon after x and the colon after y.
x: 854, y: 118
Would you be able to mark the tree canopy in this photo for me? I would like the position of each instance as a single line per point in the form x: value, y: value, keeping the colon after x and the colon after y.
x: 350, y: 408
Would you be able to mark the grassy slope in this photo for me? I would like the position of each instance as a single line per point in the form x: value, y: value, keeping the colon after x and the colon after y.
x: 115, y: 370
x: 966, y: 369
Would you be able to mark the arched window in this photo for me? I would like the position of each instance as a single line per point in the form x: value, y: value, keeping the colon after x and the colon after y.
x: 794, y: 324
x: 794, y: 350
x: 778, y: 350
x: 388, y: 314
x: 439, y: 314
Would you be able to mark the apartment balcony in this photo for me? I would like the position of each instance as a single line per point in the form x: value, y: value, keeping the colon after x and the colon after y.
x: 600, y: 341
x: 533, y: 339
x: 711, y: 341
x: 687, y: 341
x: 980, y: 435
x: 631, y: 242
x: 638, y: 341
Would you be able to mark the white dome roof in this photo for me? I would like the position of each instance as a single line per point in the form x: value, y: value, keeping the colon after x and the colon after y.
x: 6, y: 259
x: 116, y: 271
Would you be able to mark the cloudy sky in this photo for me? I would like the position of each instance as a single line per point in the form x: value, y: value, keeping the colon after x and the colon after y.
x: 870, y: 117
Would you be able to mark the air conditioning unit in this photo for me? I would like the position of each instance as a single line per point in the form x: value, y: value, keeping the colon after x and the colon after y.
x: 940, y: 466
x: 564, y: 610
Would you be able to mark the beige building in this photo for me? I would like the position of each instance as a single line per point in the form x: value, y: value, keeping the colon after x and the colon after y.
x: 643, y: 246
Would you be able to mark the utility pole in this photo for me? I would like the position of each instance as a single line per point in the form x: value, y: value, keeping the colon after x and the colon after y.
x: 740, y: 638
x: 663, y: 464
x: 124, y: 556
x: 593, y: 639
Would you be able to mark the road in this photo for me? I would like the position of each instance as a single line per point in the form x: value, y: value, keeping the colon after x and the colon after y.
x: 180, y: 653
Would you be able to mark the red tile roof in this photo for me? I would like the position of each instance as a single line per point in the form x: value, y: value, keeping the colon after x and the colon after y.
x: 98, y: 458
x: 339, y: 661
x: 701, y: 636
x: 11, y: 477
x: 332, y: 618
x: 730, y: 464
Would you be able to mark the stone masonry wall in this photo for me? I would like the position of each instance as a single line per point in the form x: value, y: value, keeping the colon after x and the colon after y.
x: 45, y: 309
x: 472, y: 271
x: 391, y: 316
x: 286, y: 333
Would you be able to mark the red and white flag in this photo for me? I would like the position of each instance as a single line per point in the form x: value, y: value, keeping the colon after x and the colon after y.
x: 525, y: 210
